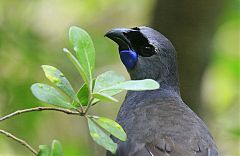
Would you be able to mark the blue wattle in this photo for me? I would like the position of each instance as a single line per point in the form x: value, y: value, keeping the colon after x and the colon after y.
x: 129, y: 58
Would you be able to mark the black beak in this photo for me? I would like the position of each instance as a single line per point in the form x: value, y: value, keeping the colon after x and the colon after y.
x: 119, y: 36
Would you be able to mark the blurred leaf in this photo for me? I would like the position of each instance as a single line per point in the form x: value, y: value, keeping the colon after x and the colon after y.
x: 57, y: 77
x: 100, y: 137
x: 50, y: 95
x: 136, y: 85
x: 104, y: 97
x: 44, y: 150
x: 76, y: 63
x: 56, y: 148
x: 235, y: 132
x: 84, y: 48
x: 228, y: 63
x: 112, y: 127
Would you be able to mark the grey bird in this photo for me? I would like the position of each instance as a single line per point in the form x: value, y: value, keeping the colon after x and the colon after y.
x: 157, y: 122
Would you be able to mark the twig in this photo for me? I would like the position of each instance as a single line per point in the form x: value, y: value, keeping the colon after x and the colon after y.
x: 24, y: 143
x: 88, y: 106
x: 90, y: 98
x: 81, y: 108
x: 41, y: 109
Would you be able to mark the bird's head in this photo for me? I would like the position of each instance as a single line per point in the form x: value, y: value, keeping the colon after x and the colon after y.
x: 145, y: 53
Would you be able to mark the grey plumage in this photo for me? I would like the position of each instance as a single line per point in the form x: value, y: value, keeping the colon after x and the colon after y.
x: 158, y: 122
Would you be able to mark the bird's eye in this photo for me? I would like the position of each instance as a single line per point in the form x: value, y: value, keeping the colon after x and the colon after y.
x: 140, y: 43
x: 147, y: 51
x: 147, y: 48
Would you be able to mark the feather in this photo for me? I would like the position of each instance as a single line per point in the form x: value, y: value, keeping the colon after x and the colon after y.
x: 157, y: 122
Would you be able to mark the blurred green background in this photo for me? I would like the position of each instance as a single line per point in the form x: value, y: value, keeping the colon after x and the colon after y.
x: 205, y: 34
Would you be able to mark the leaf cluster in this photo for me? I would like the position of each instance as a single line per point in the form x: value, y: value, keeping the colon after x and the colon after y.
x: 93, y: 91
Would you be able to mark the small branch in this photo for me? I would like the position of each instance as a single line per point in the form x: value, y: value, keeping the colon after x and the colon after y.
x: 88, y: 106
x: 18, y: 112
x: 24, y: 143
x: 90, y: 98
x: 81, y: 110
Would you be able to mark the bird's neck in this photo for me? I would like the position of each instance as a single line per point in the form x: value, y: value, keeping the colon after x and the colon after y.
x: 166, y: 76
x: 169, y: 83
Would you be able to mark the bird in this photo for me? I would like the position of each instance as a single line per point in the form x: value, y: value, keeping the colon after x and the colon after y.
x: 157, y: 122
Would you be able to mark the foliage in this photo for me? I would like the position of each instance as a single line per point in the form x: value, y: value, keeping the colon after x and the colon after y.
x: 33, y: 32
x: 102, y: 89
x: 93, y: 91
x: 54, y: 150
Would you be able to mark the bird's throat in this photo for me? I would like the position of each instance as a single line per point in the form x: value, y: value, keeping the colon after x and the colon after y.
x: 129, y: 58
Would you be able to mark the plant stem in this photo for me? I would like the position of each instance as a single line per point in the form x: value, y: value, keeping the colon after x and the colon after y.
x: 24, y: 143
x: 88, y: 106
x: 81, y: 110
x: 90, y: 98
x: 18, y: 112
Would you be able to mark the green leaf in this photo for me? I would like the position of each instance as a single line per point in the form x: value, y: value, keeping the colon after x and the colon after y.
x: 112, y: 127
x: 82, y: 95
x: 44, y: 150
x: 104, y: 97
x: 76, y: 63
x: 107, y: 79
x: 56, y: 148
x: 100, y: 137
x: 84, y: 48
x: 135, y: 85
x: 57, y: 77
x: 50, y: 95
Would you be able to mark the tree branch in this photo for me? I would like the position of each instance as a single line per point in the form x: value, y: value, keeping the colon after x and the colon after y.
x: 24, y: 143
x: 18, y: 112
